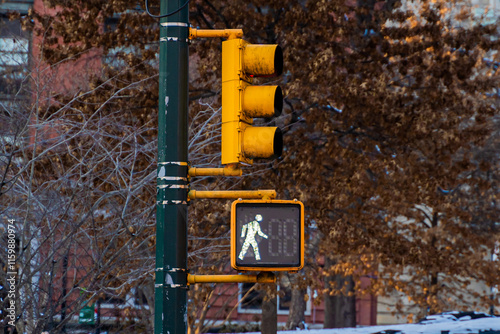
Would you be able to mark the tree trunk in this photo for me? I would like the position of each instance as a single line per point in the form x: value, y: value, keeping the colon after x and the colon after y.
x: 432, y: 307
x: 270, y: 313
x: 296, y: 318
x: 340, y: 310
x: 298, y: 303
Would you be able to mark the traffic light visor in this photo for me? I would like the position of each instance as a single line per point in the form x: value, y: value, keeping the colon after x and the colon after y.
x: 263, y: 60
x: 262, y: 142
x: 262, y: 101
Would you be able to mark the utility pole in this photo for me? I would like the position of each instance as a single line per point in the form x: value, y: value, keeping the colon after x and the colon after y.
x: 171, y: 205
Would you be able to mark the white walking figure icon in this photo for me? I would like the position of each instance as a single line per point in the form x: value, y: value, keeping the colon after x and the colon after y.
x: 251, y: 229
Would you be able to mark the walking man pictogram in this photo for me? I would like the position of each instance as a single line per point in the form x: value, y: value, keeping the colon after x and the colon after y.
x: 251, y: 229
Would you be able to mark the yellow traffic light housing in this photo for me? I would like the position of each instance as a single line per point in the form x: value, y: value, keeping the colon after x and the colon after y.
x: 241, y: 101
x: 267, y: 235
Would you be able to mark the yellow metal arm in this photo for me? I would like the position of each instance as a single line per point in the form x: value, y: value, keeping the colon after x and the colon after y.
x: 264, y: 277
x: 224, y: 33
x: 226, y: 171
x: 234, y: 194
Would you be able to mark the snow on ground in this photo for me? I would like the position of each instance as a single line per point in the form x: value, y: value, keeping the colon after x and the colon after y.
x: 438, y: 324
x: 455, y: 327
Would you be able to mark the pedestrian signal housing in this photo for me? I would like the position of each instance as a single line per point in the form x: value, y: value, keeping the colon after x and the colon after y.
x: 242, y: 101
x: 267, y: 235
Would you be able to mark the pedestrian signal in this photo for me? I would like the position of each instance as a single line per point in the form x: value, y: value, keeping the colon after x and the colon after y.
x: 267, y: 235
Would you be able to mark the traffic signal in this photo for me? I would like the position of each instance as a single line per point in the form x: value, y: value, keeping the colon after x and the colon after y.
x: 267, y: 235
x: 242, y: 101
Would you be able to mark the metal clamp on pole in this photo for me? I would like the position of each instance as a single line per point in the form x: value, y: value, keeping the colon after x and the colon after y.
x: 232, y: 194
x: 175, y: 278
x: 264, y: 277
x: 210, y: 33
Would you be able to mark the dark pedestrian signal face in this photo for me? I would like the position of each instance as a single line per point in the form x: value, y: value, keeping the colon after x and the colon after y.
x: 267, y: 235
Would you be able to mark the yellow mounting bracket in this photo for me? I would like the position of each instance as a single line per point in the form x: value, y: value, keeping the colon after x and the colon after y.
x: 224, y: 33
x: 229, y: 170
x: 232, y: 194
x: 264, y: 277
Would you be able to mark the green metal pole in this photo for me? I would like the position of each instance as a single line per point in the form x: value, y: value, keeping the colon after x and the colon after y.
x: 171, y: 206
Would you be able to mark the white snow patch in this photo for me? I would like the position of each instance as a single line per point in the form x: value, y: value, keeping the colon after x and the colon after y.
x: 453, y: 326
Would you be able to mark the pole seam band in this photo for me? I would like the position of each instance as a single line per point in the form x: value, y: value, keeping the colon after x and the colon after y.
x: 173, y: 39
x: 172, y: 286
x: 172, y: 178
x: 179, y: 163
x: 167, y: 202
x: 174, y: 24
x: 173, y: 186
x: 173, y: 270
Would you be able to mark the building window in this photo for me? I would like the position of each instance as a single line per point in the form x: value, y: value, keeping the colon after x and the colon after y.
x: 116, y: 57
x: 251, y: 299
x: 14, y: 55
x: 284, y: 300
x: 112, y: 301
x: 140, y: 298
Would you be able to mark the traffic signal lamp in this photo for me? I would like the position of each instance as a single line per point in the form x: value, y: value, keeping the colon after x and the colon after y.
x: 267, y: 235
x: 242, y: 101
